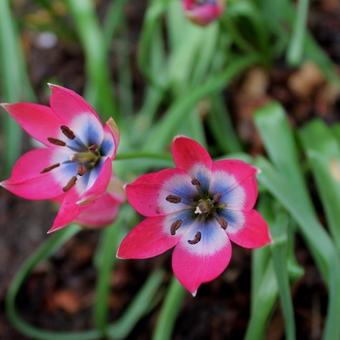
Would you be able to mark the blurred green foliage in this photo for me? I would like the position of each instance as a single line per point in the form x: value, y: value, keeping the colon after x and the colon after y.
x: 185, y: 67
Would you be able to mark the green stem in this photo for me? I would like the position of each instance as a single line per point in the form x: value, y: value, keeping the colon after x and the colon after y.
x: 143, y: 154
x: 169, y: 311
x: 142, y: 303
x: 105, y: 260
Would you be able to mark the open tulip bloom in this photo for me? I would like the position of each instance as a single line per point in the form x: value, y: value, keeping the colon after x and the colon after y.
x: 203, y: 12
x: 198, y: 208
x: 74, y: 166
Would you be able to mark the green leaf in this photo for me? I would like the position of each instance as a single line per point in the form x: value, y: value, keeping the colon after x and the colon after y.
x: 323, y: 152
x: 169, y: 311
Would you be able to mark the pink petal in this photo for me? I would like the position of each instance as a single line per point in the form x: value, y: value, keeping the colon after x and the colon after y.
x: 112, y: 129
x: 147, y: 194
x: 74, y: 202
x: 28, y: 182
x: 37, y: 120
x: 188, y: 154
x: 237, y: 181
x: 201, y: 262
x: 67, y: 213
x: 67, y: 104
x: 204, y: 15
x: 100, y: 213
x: 253, y: 233
x: 100, y: 184
x: 149, y: 238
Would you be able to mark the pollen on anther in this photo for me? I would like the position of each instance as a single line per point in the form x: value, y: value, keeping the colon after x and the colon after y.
x: 56, y: 141
x: 93, y: 148
x: 196, y: 239
x: 67, y: 132
x: 70, y: 184
x: 175, y: 226
x: 82, y: 170
x: 217, y: 197
x: 195, y: 182
x: 49, y: 168
x: 222, y: 222
x: 173, y: 199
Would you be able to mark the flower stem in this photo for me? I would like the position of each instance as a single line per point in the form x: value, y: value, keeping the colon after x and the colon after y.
x: 136, y: 155
x: 170, y: 309
x: 105, y: 259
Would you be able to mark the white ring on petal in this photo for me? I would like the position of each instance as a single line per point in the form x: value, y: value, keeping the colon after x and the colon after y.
x: 87, y: 128
x: 233, y: 195
x: 213, y: 238
x: 179, y: 185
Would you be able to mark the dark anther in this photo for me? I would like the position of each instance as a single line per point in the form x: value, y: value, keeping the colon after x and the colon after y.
x: 67, y: 132
x: 217, y: 197
x: 49, y: 168
x: 82, y: 170
x: 196, y: 239
x: 196, y: 182
x: 56, y: 141
x: 173, y: 199
x: 93, y: 148
x: 70, y: 184
x: 222, y: 222
x: 175, y: 226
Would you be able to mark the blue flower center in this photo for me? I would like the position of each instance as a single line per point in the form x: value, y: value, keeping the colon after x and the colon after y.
x: 205, y: 206
x: 86, y: 157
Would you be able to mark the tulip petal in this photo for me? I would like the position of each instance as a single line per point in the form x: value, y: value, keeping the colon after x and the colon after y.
x: 100, y: 213
x: 252, y: 232
x: 148, y: 193
x: 109, y: 144
x: 236, y: 181
x: 28, y: 181
x: 39, y: 121
x: 99, y: 183
x: 187, y: 154
x: 149, y: 238
x: 194, y: 264
x: 68, y: 105
x: 67, y: 213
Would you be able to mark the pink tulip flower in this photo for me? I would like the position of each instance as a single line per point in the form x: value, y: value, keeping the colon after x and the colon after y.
x: 103, y: 210
x: 198, y: 208
x: 203, y: 12
x: 75, y: 164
